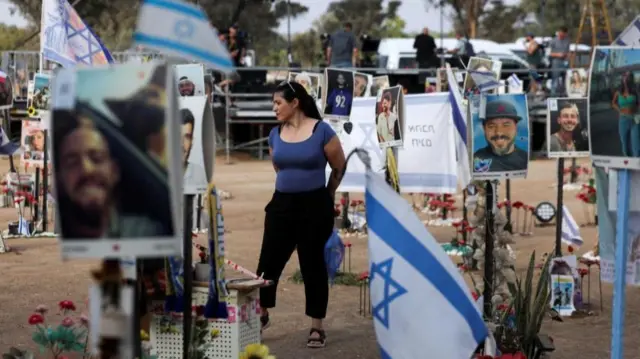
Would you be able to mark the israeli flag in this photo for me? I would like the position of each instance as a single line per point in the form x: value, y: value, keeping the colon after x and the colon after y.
x: 485, y: 80
x: 459, y: 115
x: 182, y: 30
x: 570, y: 230
x: 6, y: 146
x: 421, y: 304
x: 23, y: 227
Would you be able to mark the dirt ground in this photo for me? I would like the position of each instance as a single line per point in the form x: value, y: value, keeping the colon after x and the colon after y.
x: 34, y: 274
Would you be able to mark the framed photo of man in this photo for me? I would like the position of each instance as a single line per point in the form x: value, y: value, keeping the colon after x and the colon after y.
x: 499, y: 136
x: 379, y: 83
x: 6, y: 91
x: 190, y: 79
x: 567, y: 127
x: 614, y: 118
x: 198, y: 143
x: 310, y: 82
x: 483, y: 65
x: 338, y: 87
x: 362, y: 84
x: 116, y: 161
x: 390, y: 117
x: 576, y: 83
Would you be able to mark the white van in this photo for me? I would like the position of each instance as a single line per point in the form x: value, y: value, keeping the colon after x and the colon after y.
x: 582, y: 52
x: 399, y: 54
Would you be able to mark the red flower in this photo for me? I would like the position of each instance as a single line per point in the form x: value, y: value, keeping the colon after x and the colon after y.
x: 447, y: 195
x: 194, y: 235
x: 363, y: 275
x: 354, y: 203
x: 347, y: 244
x: 475, y: 295
x: 67, y: 322
x: 4, y: 183
x: 360, y: 201
x: 570, y: 249
x: 343, y: 201
x: 202, y: 255
x: 18, y: 200
x: 461, y: 242
x: 517, y: 204
x: 452, y: 208
x: 5, y: 190
x: 460, y: 231
x: 36, y: 319
x: 67, y: 305
x: 591, y: 190
x: 199, y: 310
x: 464, y: 268
x: 500, y: 205
x: 456, y: 224
x: 532, y: 209
x: 503, y: 307
x: 470, y: 229
x: 517, y: 355
x: 336, y: 212
x: 583, y: 271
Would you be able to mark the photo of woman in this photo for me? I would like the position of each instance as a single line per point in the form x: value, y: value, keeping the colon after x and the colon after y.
x: 388, y: 126
x: 39, y: 95
x: 310, y: 82
x: 33, y: 142
x: 576, y: 83
x: 625, y: 102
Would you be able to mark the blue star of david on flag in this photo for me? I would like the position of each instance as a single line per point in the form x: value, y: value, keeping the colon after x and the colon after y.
x: 369, y: 142
x: 392, y: 290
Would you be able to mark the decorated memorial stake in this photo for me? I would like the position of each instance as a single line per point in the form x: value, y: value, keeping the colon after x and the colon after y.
x: 338, y: 93
x: 126, y: 200
x: 33, y: 142
x: 38, y: 97
x: 190, y: 79
x: 486, y: 71
x: 389, y: 128
x: 198, y: 143
x: 500, y: 136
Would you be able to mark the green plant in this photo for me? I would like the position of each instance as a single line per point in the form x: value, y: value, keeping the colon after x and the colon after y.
x: 529, y: 305
x: 201, y: 336
x: 70, y: 336
x: 342, y: 278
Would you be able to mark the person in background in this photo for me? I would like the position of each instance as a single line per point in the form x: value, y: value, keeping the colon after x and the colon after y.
x: 462, y: 49
x: 626, y: 102
x: 236, y: 46
x: 342, y: 51
x: 425, y: 47
x: 535, y: 54
x: 559, y: 47
x: 300, y: 215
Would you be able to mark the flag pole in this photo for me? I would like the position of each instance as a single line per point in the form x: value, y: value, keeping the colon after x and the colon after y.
x: 488, y: 249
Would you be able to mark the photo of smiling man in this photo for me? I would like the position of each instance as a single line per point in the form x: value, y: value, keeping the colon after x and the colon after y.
x: 567, y: 127
x: 500, y: 136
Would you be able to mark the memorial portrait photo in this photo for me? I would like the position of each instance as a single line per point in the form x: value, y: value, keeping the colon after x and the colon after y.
x: 190, y: 79
x: 113, y: 158
x: 338, y: 87
x: 6, y: 91
x: 614, y: 118
x: 308, y: 80
x: 567, y: 127
x: 388, y: 117
x: 500, y: 136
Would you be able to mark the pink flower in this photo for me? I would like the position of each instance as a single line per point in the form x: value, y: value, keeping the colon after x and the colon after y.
x: 67, y: 322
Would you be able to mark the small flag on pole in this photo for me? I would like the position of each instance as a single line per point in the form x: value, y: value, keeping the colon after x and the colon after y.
x: 515, y: 84
x: 459, y: 115
x: 182, y: 30
x: 421, y: 304
x: 570, y: 230
x: 6, y: 146
x: 485, y: 80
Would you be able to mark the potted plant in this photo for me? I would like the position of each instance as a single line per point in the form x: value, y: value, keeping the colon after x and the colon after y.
x: 202, y: 269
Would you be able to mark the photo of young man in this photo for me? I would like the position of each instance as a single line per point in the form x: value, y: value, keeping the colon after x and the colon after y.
x: 388, y: 126
x: 567, y: 128
x: 340, y: 87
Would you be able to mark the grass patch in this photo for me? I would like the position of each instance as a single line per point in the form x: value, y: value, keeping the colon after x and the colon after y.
x: 348, y: 279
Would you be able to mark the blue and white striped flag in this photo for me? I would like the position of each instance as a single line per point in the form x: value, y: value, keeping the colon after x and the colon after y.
x: 459, y: 115
x: 485, y: 80
x: 515, y: 84
x: 6, y: 146
x: 180, y: 29
x: 23, y: 227
x: 570, y: 230
x: 421, y: 304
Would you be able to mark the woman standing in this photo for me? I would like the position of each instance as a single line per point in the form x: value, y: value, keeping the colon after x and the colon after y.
x: 625, y: 102
x: 300, y: 214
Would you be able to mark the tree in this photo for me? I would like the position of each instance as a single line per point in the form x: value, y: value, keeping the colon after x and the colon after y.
x: 467, y: 13
x: 501, y: 23
x: 10, y: 36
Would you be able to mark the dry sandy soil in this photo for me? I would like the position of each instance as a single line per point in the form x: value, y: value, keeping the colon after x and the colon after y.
x: 34, y: 274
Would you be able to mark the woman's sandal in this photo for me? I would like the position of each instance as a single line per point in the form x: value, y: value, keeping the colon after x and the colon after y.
x: 317, y: 342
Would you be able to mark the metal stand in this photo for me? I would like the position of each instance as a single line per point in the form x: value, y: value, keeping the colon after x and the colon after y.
x: 559, y: 205
x: 137, y: 287
x: 488, y: 250
x: 45, y: 181
x: 188, y: 274
x: 508, y: 207
x: 464, y: 213
x: 36, y: 203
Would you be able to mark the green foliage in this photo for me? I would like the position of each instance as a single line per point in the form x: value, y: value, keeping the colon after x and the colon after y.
x: 11, y: 38
x: 530, y: 304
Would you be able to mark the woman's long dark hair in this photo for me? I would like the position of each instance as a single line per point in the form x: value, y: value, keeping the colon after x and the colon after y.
x: 292, y: 90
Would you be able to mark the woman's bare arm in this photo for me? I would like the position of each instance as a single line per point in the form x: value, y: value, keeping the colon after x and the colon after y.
x: 335, y: 155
